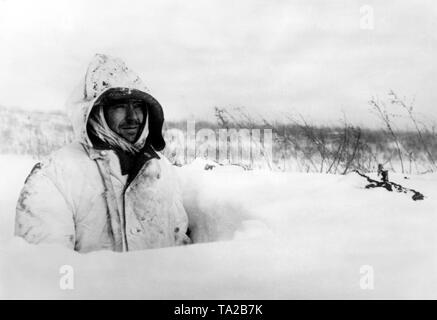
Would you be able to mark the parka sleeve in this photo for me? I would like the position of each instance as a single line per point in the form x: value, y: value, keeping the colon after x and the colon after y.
x: 181, y: 236
x: 180, y: 215
x: 42, y: 213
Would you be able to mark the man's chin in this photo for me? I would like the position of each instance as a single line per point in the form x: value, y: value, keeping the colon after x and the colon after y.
x: 129, y: 134
x: 130, y: 137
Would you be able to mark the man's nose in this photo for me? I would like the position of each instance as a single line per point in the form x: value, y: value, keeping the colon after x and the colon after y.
x: 131, y: 114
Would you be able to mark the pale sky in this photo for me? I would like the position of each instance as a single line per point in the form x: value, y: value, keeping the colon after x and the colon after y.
x: 268, y: 56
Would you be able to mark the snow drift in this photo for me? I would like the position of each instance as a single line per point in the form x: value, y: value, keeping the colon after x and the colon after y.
x: 257, y: 234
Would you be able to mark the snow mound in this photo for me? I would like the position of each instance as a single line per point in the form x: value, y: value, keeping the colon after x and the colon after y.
x: 257, y: 234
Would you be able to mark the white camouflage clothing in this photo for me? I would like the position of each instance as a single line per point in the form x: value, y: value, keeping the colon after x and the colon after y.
x: 78, y: 197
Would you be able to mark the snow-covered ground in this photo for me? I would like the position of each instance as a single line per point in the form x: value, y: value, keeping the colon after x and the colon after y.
x: 258, y: 234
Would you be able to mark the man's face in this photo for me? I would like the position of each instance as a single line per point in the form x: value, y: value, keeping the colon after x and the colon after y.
x: 125, y: 117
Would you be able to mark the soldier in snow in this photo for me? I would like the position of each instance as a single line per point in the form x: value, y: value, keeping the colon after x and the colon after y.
x: 110, y: 189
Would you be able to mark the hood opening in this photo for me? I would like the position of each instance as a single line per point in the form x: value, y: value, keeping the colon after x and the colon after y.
x: 154, y: 117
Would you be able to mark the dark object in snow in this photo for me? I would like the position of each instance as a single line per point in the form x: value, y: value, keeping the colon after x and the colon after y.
x: 210, y: 166
x: 390, y: 186
x: 380, y: 168
x: 383, y: 173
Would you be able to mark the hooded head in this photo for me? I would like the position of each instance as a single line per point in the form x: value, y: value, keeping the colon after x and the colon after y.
x: 109, y: 82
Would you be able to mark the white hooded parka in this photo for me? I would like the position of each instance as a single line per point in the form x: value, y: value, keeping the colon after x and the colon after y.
x: 78, y: 196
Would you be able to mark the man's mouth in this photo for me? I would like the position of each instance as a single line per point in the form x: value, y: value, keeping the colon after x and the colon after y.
x: 130, y: 127
x: 130, y: 130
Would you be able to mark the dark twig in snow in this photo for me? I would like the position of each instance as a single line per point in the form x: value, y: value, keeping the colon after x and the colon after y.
x: 390, y: 186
